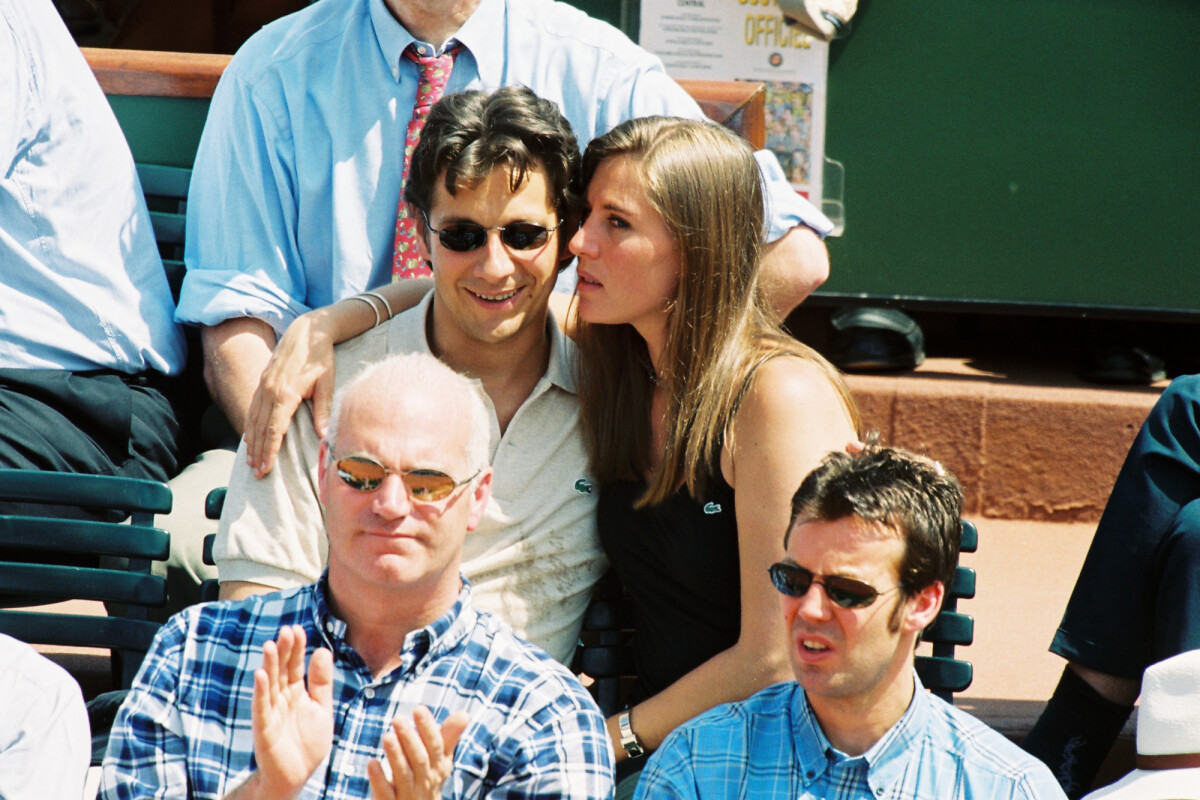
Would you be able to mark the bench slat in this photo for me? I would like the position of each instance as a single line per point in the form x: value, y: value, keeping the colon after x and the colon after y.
x: 164, y: 181
x: 78, y: 630
x: 84, y: 536
x: 91, y: 491
x: 110, y: 586
x: 154, y: 73
x: 168, y: 227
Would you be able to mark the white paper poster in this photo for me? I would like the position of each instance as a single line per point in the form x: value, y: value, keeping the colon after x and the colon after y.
x: 749, y: 40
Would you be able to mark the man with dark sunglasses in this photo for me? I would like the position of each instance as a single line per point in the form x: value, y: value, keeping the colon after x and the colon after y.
x: 872, y: 545
x: 408, y: 686
x: 492, y: 180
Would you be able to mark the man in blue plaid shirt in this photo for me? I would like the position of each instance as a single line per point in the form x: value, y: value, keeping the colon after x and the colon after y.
x: 410, y: 691
x: 879, y: 533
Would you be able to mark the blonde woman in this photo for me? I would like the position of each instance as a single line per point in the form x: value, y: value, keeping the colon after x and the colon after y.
x: 701, y: 415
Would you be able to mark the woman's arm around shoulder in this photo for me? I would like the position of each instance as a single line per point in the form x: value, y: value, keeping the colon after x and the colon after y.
x: 301, y: 365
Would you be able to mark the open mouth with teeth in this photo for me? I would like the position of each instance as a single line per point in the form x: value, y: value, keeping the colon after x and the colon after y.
x: 813, y: 647
x: 496, y: 298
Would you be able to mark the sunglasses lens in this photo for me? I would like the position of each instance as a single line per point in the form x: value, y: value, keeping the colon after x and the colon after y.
x: 524, y: 236
x: 462, y: 237
x: 844, y: 592
x: 789, y: 580
x: 360, y: 474
x: 849, y: 593
x: 428, y: 485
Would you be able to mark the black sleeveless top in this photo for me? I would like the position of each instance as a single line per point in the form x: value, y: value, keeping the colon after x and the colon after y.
x: 679, y: 563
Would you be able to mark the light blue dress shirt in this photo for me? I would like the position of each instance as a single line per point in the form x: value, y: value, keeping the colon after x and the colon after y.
x: 771, y: 745
x: 294, y: 195
x: 81, y: 282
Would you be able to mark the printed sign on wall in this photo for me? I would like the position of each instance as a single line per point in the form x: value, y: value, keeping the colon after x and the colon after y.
x: 749, y: 40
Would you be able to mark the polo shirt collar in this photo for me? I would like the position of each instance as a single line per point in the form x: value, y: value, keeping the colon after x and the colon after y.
x: 409, y: 326
x: 564, y: 358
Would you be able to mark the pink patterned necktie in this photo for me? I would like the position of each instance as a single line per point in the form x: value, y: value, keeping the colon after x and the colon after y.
x: 435, y: 72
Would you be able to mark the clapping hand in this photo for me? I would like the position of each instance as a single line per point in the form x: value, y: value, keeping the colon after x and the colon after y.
x: 420, y: 756
x: 293, y: 724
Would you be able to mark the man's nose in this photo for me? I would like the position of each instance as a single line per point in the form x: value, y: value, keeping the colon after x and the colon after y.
x: 391, y: 499
x: 497, y: 260
x: 814, y: 604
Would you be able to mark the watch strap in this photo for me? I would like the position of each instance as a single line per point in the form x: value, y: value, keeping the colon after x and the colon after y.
x: 633, y: 747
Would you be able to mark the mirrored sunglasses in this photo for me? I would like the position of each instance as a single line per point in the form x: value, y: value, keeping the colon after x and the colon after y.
x: 462, y: 237
x: 423, y: 485
x: 795, y: 581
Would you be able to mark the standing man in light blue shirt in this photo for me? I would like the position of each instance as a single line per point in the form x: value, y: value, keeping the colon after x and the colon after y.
x: 87, y: 333
x: 879, y: 533
x: 294, y: 196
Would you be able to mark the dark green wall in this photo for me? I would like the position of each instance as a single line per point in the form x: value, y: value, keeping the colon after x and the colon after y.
x: 622, y: 13
x: 1015, y: 152
x: 1020, y: 151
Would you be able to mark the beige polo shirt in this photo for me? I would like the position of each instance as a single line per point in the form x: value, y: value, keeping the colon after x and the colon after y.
x: 535, y: 555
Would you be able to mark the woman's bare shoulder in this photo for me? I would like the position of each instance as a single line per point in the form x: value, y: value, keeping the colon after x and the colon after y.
x: 788, y: 382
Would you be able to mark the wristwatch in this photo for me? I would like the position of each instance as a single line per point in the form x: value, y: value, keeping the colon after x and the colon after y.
x: 629, y: 740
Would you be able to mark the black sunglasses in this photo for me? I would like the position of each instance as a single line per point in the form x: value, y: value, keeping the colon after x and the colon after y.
x: 462, y: 237
x: 423, y: 485
x: 795, y: 581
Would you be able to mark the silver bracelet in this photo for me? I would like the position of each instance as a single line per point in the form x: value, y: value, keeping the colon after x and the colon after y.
x: 371, y: 305
x: 381, y: 299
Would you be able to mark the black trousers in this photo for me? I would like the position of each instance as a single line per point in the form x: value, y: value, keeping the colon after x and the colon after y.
x: 96, y: 423
x: 1137, y: 598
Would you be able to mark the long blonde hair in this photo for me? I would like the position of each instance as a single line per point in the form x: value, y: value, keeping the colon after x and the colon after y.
x: 704, y: 182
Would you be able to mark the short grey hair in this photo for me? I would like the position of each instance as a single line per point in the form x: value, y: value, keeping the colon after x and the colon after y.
x: 422, y: 375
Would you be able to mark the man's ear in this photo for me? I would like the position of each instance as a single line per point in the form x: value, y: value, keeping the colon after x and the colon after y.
x: 422, y: 232
x: 479, y: 498
x: 925, y: 606
x: 322, y: 468
x: 566, y: 231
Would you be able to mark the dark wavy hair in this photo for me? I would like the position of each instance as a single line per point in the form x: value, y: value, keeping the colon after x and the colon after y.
x: 910, y: 494
x: 468, y: 135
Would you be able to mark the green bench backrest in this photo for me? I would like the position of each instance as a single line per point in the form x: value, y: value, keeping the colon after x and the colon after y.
x: 166, y: 195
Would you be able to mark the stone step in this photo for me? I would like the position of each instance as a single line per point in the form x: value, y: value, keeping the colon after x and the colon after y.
x: 1027, y: 441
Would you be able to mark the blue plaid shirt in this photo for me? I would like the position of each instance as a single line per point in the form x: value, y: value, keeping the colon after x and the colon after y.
x: 770, y: 745
x: 185, y: 729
